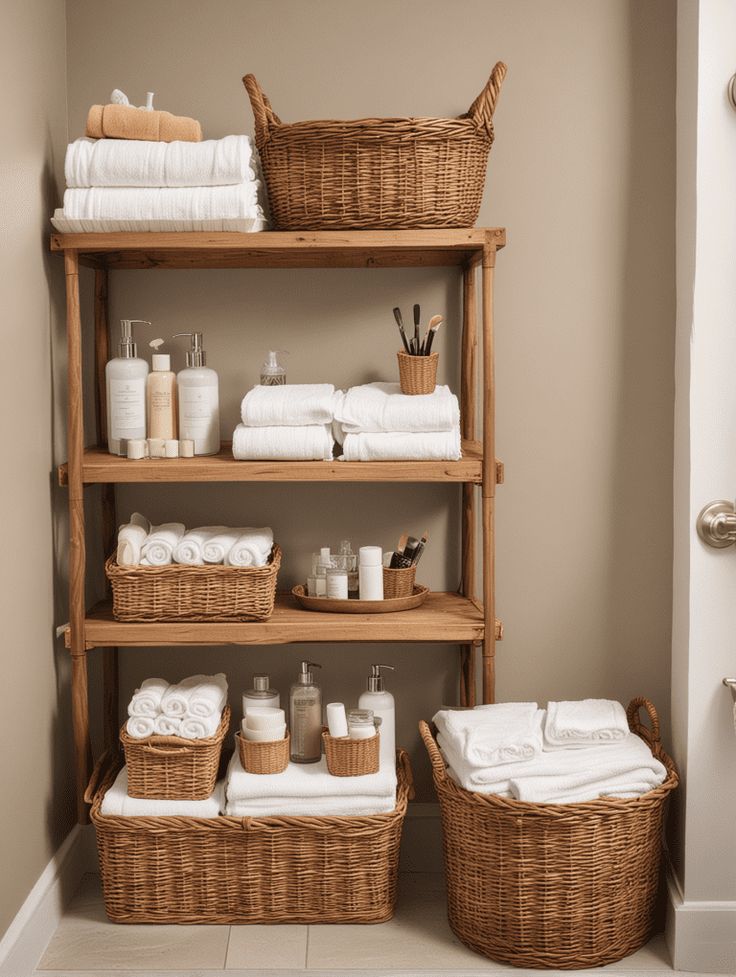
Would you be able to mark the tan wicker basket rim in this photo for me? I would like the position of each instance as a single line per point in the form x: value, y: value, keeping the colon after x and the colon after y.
x: 112, y: 566
x: 157, y: 740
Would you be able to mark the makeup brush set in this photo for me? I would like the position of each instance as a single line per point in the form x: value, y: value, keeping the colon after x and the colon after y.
x: 408, y: 552
x: 416, y: 346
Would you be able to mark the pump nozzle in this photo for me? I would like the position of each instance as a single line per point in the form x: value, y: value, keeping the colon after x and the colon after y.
x: 375, y: 679
x: 196, y: 356
x: 128, y: 347
x: 306, y: 676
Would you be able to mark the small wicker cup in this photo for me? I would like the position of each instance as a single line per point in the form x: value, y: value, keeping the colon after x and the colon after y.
x: 263, y: 758
x: 398, y: 583
x: 417, y: 374
x: 351, y: 758
x: 172, y: 768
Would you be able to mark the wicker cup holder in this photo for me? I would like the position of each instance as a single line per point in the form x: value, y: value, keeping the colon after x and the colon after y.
x: 398, y: 583
x: 264, y: 758
x: 417, y: 374
x: 351, y: 758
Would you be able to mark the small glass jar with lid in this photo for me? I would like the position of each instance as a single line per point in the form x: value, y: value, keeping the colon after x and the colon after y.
x: 360, y: 724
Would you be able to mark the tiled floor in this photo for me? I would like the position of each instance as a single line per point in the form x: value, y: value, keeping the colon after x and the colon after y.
x: 416, y: 942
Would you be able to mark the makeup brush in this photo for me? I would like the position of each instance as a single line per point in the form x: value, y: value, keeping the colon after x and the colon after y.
x: 419, y: 548
x: 430, y: 336
x: 398, y: 560
x: 435, y: 321
x: 400, y: 324
x: 417, y: 315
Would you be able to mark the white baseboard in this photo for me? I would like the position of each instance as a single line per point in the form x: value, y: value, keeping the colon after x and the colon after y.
x: 34, y: 924
x: 701, y: 936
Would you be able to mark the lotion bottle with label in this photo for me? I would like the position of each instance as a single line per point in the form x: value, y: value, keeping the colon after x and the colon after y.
x: 161, y: 398
x: 125, y: 382
x: 199, y: 400
x: 305, y: 716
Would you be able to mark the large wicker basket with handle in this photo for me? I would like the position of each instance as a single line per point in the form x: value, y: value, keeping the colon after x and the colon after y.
x: 376, y: 173
x: 560, y: 886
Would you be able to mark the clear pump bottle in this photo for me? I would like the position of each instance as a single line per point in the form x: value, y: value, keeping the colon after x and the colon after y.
x: 305, y: 716
x: 125, y: 382
x: 273, y: 374
x: 199, y: 400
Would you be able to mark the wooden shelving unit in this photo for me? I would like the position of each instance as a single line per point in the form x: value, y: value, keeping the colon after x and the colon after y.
x: 445, y: 617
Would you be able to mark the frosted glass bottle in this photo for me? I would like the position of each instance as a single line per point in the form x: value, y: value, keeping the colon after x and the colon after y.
x: 305, y: 716
x: 382, y: 703
x: 125, y: 385
x: 199, y: 400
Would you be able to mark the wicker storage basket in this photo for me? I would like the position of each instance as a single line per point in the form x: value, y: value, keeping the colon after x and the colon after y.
x: 172, y: 768
x: 375, y: 173
x: 183, y: 593
x: 351, y: 758
x: 560, y: 886
x: 248, y: 870
x: 398, y: 583
x: 264, y: 758
x: 417, y: 374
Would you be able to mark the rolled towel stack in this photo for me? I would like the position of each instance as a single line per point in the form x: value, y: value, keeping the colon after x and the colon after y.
x: 252, y: 548
x: 191, y: 709
x: 287, y: 422
x: 131, y: 538
x: 190, y: 549
x: 148, y: 184
x: 140, y: 544
x: 146, y: 700
x: 503, y: 749
x: 376, y: 422
x: 158, y: 547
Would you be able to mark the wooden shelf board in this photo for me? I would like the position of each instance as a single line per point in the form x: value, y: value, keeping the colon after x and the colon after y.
x: 101, y: 467
x: 283, y: 249
x: 444, y: 617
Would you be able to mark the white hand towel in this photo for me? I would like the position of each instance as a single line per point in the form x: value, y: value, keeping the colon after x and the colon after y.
x: 199, y: 727
x: 399, y: 446
x: 136, y: 519
x: 131, y: 538
x: 375, y: 407
x: 116, y: 803
x: 240, y: 201
x: 574, y: 790
x: 217, y: 547
x: 358, y: 806
x: 252, y: 548
x: 158, y: 549
x: 311, y: 443
x: 199, y: 696
x: 140, y: 727
x: 496, y: 734
x: 243, y: 225
x: 146, y: 701
x: 139, y: 163
x: 166, y: 726
x: 303, y: 781
x: 289, y: 405
x: 586, y: 722
x: 189, y: 549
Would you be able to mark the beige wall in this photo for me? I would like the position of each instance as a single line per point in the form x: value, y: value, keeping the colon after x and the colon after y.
x: 583, y: 177
x: 37, y: 809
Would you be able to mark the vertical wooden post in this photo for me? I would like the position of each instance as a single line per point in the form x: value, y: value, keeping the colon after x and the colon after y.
x: 468, y: 383
x: 110, y: 679
x: 75, y: 426
x: 489, y: 480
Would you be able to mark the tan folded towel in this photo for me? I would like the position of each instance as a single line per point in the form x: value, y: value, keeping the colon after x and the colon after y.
x: 127, y: 122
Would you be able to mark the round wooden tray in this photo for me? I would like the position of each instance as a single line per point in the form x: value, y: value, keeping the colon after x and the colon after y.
x: 361, y: 606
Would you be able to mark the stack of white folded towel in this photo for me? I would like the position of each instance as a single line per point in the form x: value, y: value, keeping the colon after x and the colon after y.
x: 572, y: 752
x: 141, y: 544
x: 286, y: 422
x: 191, y: 709
x: 308, y: 789
x: 137, y: 185
x: 376, y: 422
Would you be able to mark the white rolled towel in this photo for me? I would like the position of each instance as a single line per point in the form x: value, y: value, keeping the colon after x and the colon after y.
x: 167, y: 726
x: 199, y: 696
x: 131, y: 537
x: 289, y: 405
x: 140, y: 727
x: 116, y: 802
x: 401, y: 446
x: 189, y: 549
x: 217, y: 547
x: 146, y: 701
x: 381, y: 406
x: 252, y: 548
x: 158, y: 549
x: 586, y: 722
x: 199, y: 727
x: 313, y: 442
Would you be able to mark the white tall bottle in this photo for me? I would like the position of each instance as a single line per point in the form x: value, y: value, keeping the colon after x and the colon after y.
x: 382, y: 704
x: 125, y: 382
x: 199, y: 400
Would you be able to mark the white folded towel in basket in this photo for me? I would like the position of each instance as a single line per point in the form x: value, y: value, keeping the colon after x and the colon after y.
x: 310, y: 443
x: 131, y: 538
x: 116, y: 803
x: 289, y: 405
x: 252, y: 548
x: 189, y: 550
x: 217, y: 547
x: 158, y: 549
x: 402, y: 446
x: 146, y: 701
x: 496, y: 734
x: 381, y: 406
x: 140, y: 727
x: 198, y: 696
x: 587, y: 722
x: 199, y: 727
x: 166, y: 726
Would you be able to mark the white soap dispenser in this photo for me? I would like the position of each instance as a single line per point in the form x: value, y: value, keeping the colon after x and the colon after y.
x: 199, y: 400
x: 125, y: 382
x: 382, y: 703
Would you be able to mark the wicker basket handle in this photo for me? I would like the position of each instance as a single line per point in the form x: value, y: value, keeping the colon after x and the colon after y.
x: 264, y: 116
x: 174, y: 751
x: 482, y: 109
x: 403, y: 759
x: 651, y: 734
x: 96, y: 777
x: 438, y: 764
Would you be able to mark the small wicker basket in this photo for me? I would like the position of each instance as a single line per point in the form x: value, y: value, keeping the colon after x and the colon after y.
x: 263, y: 758
x: 417, y: 374
x: 183, y: 593
x: 351, y: 758
x: 375, y: 173
x: 398, y: 583
x: 172, y: 768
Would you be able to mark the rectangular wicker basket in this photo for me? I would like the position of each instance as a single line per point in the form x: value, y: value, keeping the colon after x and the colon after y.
x: 183, y: 593
x: 248, y: 870
x: 171, y: 767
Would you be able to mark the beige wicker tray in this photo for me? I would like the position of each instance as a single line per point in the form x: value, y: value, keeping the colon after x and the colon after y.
x: 333, y: 606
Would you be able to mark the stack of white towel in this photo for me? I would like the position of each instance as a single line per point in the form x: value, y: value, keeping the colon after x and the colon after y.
x: 286, y: 422
x: 308, y: 789
x: 376, y: 422
x: 137, y: 185
x: 141, y: 544
x: 117, y: 803
x: 572, y: 752
x: 191, y: 709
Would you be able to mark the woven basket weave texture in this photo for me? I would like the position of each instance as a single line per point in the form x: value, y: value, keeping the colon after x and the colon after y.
x: 263, y: 758
x: 351, y: 758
